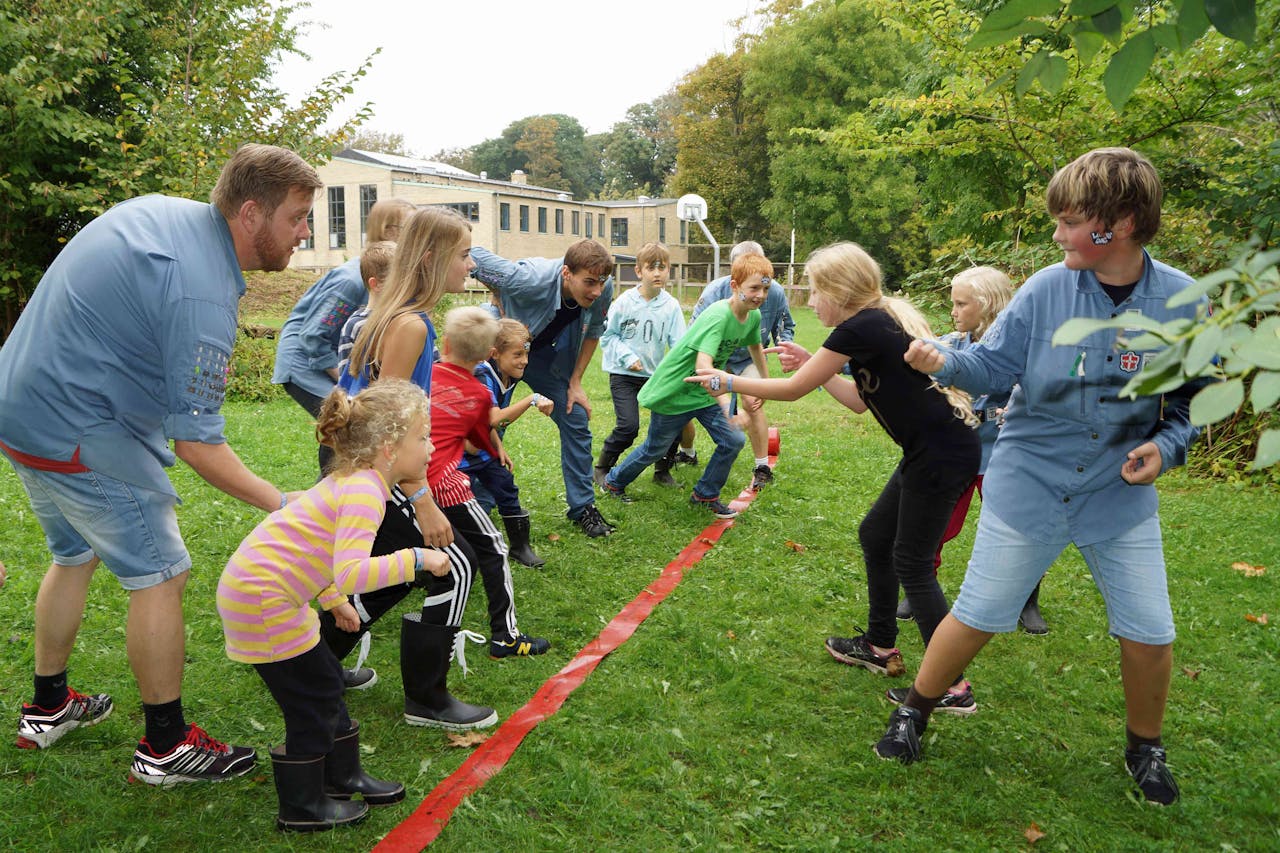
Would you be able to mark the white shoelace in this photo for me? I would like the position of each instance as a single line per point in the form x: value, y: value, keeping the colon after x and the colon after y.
x: 460, y: 646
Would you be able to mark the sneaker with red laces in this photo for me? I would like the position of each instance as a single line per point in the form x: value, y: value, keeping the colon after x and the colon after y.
x: 856, y: 651
x: 197, y: 758
x: 40, y: 727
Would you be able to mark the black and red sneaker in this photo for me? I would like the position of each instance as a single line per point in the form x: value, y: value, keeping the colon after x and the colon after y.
x: 41, y: 727
x: 197, y: 758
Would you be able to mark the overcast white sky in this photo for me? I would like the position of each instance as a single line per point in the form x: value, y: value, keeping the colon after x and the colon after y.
x: 455, y: 73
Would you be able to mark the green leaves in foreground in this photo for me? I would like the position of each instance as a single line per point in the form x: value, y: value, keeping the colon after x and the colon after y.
x: 1238, y: 343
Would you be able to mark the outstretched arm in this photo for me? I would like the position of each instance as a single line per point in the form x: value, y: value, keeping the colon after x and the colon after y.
x: 822, y: 366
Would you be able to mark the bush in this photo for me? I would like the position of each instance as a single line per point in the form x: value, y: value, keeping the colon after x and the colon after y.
x: 252, y: 362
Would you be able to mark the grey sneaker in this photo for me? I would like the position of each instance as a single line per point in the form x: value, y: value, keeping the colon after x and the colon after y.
x: 856, y: 651
x: 593, y: 523
x: 360, y: 678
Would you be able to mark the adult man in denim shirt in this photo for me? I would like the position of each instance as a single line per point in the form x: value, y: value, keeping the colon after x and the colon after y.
x: 124, y: 347
x: 776, y: 326
x: 563, y: 302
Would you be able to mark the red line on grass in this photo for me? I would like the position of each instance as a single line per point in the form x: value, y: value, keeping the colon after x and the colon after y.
x: 426, y: 823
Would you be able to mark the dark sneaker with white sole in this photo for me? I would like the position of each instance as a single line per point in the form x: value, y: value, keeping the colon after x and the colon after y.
x: 522, y: 646
x: 360, y: 678
x: 197, y: 758
x: 856, y: 651
x: 714, y: 506
x: 593, y: 523
x: 902, y: 740
x: 40, y: 727
x: 761, y: 476
x: 1149, y: 769
x: 683, y: 458
x: 957, y: 700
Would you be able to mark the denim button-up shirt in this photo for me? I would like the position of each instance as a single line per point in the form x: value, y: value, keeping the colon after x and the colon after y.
x: 126, y: 342
x: 530, y: 291
x: 1054, y: 472
x: 776, y: 322
x: 308, y: 345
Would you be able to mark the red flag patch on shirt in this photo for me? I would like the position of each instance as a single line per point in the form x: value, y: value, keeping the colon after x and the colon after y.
x: 1129, y: 361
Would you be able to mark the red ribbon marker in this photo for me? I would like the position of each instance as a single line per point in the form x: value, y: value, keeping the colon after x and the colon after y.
x: 419, y: 829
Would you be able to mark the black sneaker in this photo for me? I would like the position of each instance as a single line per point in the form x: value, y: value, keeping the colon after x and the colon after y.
x: 522, y: 646
x: 618, y: 492
x: 360, y: 678
x: 902, y: 740
x: 592, y: 523
x: 664, y: 478
x: 856, y: 651
x: 905, y: 613
x: 718, y: 509
x: 1148, y: 768
x: 198, y: 758
x: 682, y: 458
x: 40, y: 727
x: 761, y: 477
x: 957, y: 700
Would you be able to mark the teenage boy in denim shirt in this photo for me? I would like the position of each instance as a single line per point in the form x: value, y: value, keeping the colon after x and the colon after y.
x: 122, y: 349
x: 1075, y: 463
x: 563, y: 301
x: 776, y: 326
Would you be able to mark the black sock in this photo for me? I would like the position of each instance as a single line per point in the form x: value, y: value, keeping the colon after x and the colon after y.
x: 1135, y: 741
x: 165, y: 725
x: 51, y: 691
x: 923, y: 704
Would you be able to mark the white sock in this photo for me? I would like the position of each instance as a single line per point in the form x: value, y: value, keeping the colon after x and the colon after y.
x: 689, y: 450
x: 762, y: 460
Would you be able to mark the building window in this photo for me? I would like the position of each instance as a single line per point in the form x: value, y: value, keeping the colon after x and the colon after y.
x: 310, y: 242
x: 337, y: 217
x: 542, y: 220
x: 469, y: 210
x: 618, y: 232
x: 524, y: 217
x: 575, y: 221
x: 590, y: 219
x: 662, y: 229
x: 600, y: 225
x: 368, y: 198
x: 559, y: 221
x: 504, y: 216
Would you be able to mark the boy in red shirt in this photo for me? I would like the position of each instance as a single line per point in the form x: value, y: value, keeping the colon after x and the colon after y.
x: 460, y: 406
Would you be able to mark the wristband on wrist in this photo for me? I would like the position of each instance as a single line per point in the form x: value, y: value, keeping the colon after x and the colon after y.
x: 419, y: 555
x: 284, y: 499
x: 535, y: 399
x: 418, y: 495
x: 729, y: 384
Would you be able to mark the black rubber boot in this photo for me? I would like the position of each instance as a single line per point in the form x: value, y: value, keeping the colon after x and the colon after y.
x: 518, y: 541
x: 304, y: 806
x: 1031, y: 620
x: 425, y: 655
x: 343, y: 775
x: 905, y: 613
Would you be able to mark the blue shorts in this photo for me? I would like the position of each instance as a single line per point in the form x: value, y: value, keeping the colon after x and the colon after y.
x: 133, y: 530
x: 1128, y: 570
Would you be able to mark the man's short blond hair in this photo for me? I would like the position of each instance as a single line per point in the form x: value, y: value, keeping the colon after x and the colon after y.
x: 470, y: 331
x: 262, y: 173
x: 1109, y: 184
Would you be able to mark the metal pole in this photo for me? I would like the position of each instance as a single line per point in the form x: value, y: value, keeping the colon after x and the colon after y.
x: 715, y: 248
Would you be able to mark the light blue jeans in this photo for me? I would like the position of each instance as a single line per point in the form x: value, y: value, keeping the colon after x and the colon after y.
x: 134, y: 531
x: 1127, y: 569
x: 664, y: 429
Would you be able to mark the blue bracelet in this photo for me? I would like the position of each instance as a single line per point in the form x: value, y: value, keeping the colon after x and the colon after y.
x: 417, y: 496
x: 284, y: 500
x: 729, y: 384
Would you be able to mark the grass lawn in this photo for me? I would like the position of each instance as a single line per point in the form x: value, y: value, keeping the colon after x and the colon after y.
x: 722, y: 724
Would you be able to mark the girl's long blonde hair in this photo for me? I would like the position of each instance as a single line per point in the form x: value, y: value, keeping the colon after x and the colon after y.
x: 850, y: 278
x: 415, y: 283
x: 992, y: 290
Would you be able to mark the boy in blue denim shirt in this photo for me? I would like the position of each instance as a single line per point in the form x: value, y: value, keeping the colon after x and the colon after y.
x: 1075, y: 463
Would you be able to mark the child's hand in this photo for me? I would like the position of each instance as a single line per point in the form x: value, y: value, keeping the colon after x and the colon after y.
x: 790, y: 354
x: 436, y: 529
x: 636, y: 366
x: 543, y: 404
x: 715, y: 381
x: 922, y: 356
x: 503, y: 459
x: 1142, y: 465
x: 346, y: 617
x: 436, y: 563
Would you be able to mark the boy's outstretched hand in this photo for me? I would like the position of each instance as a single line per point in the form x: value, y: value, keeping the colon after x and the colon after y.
x: 1142, y: 465
x: 715, y: 381
x: 922, y: 356
x: 790, y: 355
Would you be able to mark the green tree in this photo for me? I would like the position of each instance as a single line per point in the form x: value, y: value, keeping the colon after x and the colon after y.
x: 385, y: 142
x: 101, y: 101
x: 538, y: 144
x: 544, y: 138
x: 640, y: 154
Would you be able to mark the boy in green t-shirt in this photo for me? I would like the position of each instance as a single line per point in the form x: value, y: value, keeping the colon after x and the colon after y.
x: 720, y: 330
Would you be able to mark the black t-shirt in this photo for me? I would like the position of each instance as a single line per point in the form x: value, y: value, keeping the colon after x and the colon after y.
x: 938, y: 448
x: 565, y: 315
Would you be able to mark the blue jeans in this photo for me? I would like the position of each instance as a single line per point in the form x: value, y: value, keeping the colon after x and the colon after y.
x: 1127, y: 569
x: 548, y: 374
x: 493, y: 486
x: 664, y: 429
